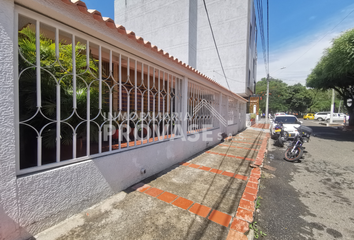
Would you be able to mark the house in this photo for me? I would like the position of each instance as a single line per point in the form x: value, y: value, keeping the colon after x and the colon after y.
x: 182, y: 28
x: 89, y: 108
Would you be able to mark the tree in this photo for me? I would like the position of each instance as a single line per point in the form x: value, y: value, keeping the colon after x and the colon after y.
x: 278, y: 93
x: 335, y: 70
x: 321, y: 100
x: 299, y: 98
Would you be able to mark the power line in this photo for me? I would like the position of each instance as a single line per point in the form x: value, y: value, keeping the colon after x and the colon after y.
x: 261, y: 28
x: 268, y: 34
x: 216, y: 46
x: 320, y: 39
x: 234, y: 80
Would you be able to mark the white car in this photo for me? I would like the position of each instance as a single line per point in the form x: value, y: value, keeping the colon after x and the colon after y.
x: 336, y: 117
x: 289, y: 124
x: 320, y: 116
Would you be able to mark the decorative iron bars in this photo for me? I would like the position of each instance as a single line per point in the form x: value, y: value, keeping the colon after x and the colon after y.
x: 233, y: 117
x: 203, y: 108
x: 80, y: 98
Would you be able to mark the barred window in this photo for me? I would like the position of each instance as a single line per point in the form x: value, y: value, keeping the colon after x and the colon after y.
x: 202, y: 108
x: 233, y: 111
x: 79, y: 97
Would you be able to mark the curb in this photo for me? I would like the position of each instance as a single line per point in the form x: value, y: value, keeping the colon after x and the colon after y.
x: 246, y: 209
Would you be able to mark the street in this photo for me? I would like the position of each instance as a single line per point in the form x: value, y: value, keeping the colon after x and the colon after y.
x: 311, y: 199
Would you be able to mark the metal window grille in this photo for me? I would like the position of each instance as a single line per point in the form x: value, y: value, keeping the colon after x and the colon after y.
x: 202, y: 108
x: 233, y: 111
x: 80, y: 98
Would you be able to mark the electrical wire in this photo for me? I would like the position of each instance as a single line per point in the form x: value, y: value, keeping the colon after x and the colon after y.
x: 265, y: 50
x: 216, y: 46
x: 231, y: 79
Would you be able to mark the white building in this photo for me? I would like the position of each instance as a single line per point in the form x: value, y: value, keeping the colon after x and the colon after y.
x: 64, y: 71
x: 181, y: 28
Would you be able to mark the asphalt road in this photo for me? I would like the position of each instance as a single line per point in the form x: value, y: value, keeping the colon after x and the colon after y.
x: 311, y: 199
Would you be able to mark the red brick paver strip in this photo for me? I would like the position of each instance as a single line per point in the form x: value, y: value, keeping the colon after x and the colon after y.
x: 229, y: 174
x: 239, y: 225
x: 167, y: 197
x: 253, y: 180
x: 238, y: 176
x: 196, y: 208
x: 249, y: 205
x: 218, y: 171
x: 249, y: 197
x: 232, y: 156
x: 220, y: 218
x: 244, y: 214
x: 194, y: 165
x: 234, y: 235
x: 205, y: 168
x: 251, y: 190
x: 252, y: 185
x: 200, y: 210
x: 224, y: 145
x: 182, y: 203
x: 154, y: 192
x: 245, y: 143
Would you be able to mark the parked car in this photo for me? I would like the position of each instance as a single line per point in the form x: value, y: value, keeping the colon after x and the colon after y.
x: 320, y: 116
x: 309, y: 116
x: 336, y: 117
x: 280, y: 113
x: 289, y: 124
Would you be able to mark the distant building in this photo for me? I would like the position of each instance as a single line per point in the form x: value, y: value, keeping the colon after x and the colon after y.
x: 181, y: 28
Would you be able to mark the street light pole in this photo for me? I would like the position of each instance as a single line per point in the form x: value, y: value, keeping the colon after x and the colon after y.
x: 267, y: 101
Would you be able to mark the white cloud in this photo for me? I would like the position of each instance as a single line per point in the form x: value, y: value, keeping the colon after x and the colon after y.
x: 301, y: 54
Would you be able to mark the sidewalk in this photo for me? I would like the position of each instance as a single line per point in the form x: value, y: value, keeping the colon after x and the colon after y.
x: 210, y: 196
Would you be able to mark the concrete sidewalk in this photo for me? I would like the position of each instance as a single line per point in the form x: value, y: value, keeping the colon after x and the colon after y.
x: 210, y: 196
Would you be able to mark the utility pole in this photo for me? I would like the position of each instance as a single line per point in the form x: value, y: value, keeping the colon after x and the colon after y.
x: 267, y: 101
x: 332, y: 107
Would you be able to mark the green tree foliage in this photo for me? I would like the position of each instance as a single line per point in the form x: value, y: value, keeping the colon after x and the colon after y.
x: 55, y: 72
x: 296, y: 98
x: 299, y: 98
x: 278, y: 94
x: 336, y: 70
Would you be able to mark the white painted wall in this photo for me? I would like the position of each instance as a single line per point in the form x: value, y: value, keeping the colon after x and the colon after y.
x: 230, y: 19
x: 9, y: 228
x: 163, y: 23
x: 34, y: 202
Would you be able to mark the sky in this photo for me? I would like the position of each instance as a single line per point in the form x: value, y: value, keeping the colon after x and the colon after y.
x: 299, y: 32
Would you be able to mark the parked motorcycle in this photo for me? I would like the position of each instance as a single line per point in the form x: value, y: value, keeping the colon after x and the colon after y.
x: 281, y: 136
x: 295, y: 150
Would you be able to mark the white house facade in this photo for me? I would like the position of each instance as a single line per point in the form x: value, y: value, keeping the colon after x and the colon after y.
x: 88, y: 109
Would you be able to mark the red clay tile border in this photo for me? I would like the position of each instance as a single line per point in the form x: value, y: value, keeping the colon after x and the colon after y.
x: 244, y: 214
x: 232, y: 156
x: 225, y: 145
x: 262, y: 151
x: 245, y: 142
x: 186, y: 204
x: 214, y: 170
x: 246, y: 207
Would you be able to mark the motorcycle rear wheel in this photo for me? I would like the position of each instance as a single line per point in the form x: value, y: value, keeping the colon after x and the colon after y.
x: 293, y: 156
